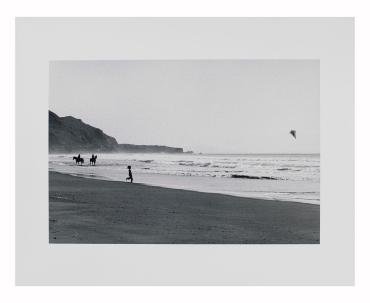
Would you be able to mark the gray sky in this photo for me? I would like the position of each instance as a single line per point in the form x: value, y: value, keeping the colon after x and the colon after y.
x: 217, y: 106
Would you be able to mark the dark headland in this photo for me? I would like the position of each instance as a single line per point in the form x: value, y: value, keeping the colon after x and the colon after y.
x: 69, y: 134
x: 94, y: 211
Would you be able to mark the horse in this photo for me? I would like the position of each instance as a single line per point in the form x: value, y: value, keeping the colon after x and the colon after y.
x: 78, y: 160
x: 93, y: 160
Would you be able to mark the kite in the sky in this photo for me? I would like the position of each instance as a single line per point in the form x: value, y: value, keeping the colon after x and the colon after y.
x: 293, y: 133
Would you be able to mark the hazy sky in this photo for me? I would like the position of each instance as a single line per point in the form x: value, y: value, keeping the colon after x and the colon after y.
x: 230, y: 106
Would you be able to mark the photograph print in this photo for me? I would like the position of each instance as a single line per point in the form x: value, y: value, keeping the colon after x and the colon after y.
x: 184, y: 152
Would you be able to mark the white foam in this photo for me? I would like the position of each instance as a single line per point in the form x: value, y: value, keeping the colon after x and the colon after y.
x: 298, y: 176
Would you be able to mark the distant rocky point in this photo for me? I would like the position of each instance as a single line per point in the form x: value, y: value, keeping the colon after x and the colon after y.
x: 132, y: 148
x: 68, y: 134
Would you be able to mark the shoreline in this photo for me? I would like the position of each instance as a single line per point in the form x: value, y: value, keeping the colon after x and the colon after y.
x: 167, y: 183
x: 88, y: 210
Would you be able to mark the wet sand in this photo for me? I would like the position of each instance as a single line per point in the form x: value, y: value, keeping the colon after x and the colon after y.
x: 94, y: 211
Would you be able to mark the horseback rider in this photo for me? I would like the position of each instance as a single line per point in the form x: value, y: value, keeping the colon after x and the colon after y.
x: 93, y: 159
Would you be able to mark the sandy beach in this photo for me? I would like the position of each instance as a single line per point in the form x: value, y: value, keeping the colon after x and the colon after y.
x: 85, y: 210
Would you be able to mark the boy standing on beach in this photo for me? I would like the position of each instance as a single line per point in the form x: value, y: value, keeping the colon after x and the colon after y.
x: 129, y: 174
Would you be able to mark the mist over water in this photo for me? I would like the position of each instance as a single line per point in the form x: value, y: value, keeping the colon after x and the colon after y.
x: 282, y: 177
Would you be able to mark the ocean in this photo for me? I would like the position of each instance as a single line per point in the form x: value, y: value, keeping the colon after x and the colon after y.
x: 290, y: 177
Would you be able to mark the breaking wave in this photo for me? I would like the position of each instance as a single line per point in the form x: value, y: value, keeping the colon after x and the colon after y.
x: 254, y: 177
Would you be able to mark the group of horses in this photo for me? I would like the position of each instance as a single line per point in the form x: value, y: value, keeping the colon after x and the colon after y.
x: 80, y: 161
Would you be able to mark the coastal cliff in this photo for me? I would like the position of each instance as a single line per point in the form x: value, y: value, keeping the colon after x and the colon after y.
x: 69, y: 134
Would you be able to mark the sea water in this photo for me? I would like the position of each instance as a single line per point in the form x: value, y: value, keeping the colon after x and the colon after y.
x: 291, y: 177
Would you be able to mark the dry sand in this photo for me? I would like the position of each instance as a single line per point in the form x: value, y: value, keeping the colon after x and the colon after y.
x: 94, y: 211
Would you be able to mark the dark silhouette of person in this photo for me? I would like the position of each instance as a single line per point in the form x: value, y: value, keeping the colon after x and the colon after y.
x: 129, y: 174
x: 93, y: 159
x: 79, y: 157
